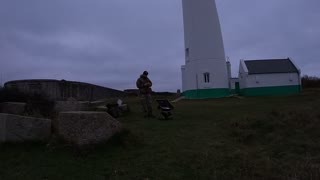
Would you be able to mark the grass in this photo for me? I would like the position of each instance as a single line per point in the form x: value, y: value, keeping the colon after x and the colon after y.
x: 275, y: 137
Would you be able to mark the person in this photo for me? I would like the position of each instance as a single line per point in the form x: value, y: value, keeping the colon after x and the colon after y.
x: 144, y: 85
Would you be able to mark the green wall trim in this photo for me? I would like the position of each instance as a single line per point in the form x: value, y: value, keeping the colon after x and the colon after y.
x: 206, y: 93
x: 274, y: 90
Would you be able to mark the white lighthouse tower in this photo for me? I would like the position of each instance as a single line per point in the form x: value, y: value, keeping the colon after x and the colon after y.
x: 204, y: 74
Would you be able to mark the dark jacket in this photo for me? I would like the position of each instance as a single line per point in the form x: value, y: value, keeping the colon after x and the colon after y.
x: 144, y: 84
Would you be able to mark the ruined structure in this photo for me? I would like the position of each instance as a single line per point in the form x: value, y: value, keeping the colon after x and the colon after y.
x: 63, y: 90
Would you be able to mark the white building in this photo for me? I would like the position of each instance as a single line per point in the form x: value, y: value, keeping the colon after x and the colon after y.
x: 269, y: 77
x: 234, y: 86
x: 205, y: 73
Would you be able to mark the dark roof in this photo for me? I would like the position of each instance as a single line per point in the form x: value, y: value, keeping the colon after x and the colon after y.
x: 268, y: 66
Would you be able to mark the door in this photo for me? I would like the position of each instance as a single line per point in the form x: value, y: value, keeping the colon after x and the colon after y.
x: 237, y: 85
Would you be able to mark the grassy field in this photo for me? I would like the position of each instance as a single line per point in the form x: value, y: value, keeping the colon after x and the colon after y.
x: 276, y: 137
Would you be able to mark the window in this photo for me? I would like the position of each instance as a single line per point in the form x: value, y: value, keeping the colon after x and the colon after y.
x: 187, y: 52
x: 206, y: 77
x: 257, y: 79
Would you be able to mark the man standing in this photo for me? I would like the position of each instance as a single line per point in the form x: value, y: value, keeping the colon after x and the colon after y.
x: 144, y: 85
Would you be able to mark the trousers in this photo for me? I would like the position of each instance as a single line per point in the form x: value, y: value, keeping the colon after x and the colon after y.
x: 146, y: 102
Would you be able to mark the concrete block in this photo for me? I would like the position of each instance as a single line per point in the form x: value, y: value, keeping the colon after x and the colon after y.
x: 12, y: 108
x: 64, y: 106
x: 86, y: 127
x: 14, y: 128
x: 101, y: 108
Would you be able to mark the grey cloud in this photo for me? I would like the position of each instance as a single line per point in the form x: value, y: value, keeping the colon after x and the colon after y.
x: 271, y: 29
x: 111, y: 42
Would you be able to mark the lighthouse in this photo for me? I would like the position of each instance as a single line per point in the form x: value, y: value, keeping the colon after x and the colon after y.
x: 205, y: 73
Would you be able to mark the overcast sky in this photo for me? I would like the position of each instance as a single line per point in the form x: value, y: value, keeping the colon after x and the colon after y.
x: 111, y: 42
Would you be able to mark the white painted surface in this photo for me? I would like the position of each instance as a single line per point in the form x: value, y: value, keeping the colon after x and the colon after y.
x: 203, y: 39
x: 229, y: 69
x: 183, y: 72
x: 294, y: 63
x: 229, y: 73
x: 202, y: 30
x: 194, y: 75
x: 277, y: 79
x: 233, y: 82
x: 266, y: 80
x: 243, y: 74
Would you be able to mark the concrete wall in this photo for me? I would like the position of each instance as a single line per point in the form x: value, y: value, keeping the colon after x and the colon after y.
x: 202, y: 32
x: 183, y: 77
x: 233, y: 83
x: 62, y: 90
x: 267, y: 80
x: 204, y: 51
x: 243, y: 73
x: 194, y: 75
x: 268, y: 84
x: 15, y: 129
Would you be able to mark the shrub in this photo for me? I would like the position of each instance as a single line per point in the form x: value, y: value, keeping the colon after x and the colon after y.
x: 310, y: 81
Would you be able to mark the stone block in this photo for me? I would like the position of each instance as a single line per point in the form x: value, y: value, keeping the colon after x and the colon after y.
x: 14, y: 128
x: 86, y: 127
x: 64, y: 106
x: 16, y: 108
x: 101, y: 108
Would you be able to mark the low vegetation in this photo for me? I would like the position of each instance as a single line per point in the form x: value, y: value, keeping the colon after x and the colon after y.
x: 310, y: 81
x: 275, y: 137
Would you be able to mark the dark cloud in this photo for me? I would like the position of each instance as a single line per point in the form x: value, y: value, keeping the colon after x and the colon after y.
x: 111, y: 42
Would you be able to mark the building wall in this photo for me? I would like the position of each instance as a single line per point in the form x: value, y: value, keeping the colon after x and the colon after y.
x: 267, y: 80
x: 184, y: 78
x: 194, y: 85
x: 233, y: 82
x: 243, y: 73
x: 204, y: 51
x: 271, y: 84
x: 202, y: 31
x: 49, y: 87
x: 194, y: 75
x: 62, y: 90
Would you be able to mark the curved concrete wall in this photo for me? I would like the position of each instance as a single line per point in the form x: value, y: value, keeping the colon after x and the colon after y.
x: 202, y: 31
x: 204, y: 74
x: 62, y: 90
